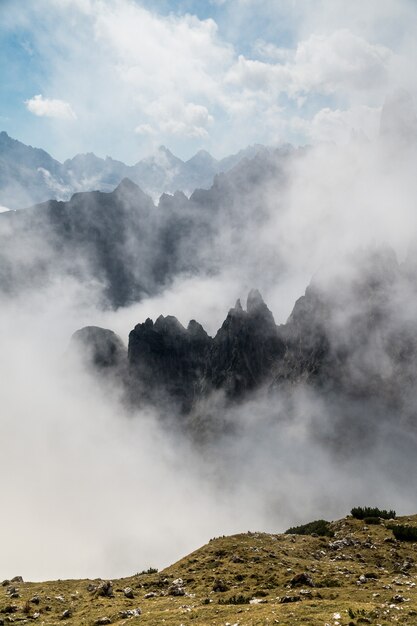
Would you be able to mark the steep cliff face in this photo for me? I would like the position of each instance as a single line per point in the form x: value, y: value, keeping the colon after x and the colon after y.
x: 167, y: 361
x: 100, y: 348
x: 244, y: 349
x: 351, y: 340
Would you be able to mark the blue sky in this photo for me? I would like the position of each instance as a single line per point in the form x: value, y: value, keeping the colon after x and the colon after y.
x: 120, y: 77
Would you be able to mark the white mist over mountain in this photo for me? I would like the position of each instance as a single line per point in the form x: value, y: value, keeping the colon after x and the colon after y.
x: 94, y: 488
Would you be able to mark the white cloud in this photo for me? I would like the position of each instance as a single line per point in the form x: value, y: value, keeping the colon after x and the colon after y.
x: 339, y: 126
x: 188, y: 120
x: 144, y: 129
x: 175, y: 79
x: 341, y: 62
x: 46, y: 107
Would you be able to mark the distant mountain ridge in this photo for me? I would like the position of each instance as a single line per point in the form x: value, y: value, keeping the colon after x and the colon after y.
x: 30, y: 175
x: 128, y: 244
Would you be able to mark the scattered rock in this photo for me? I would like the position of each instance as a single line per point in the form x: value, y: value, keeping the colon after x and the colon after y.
x: 220, y: 586
x: 12, y: 591
x: 302, y: 580
x: 17, y: 579
x: 66, y: 614
x: 10, y: 608
x: 237, y: 559
x: 128, y: 591
x: 102, y: 621
x: 130, y: 613
x: 151, y: 594
x: 35, y: 600
x: 105, y: 589
x: 176, y: 588
x: 5, y: 583
x: 339, y: 544
x: 287, y: 599
x: 36, y: 615
x: 398, y: 599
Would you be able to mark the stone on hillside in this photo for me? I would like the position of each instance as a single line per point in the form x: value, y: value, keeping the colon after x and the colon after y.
x: 128, y: 591
x: 102, y: 621
x: 105, y: 589
x: 220, y: 585
x: 176, y: 588
x: 302, y: 580
x: 66, y: 614
x: 398, y: 599
x: 17, y: 579
x: 130, y: 613
x: 288, y: 599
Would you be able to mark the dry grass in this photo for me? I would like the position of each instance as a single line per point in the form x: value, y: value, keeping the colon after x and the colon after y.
x: 250, y: 566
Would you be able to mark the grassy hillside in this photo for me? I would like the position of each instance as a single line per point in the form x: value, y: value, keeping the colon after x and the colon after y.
x: 362, y: 575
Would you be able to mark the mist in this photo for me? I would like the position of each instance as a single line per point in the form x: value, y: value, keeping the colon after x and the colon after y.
x: 93, y: 486
x: 93, y: 489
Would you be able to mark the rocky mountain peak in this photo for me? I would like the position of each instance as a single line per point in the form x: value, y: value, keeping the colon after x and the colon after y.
x: 99, y: 347
x: 127, y: 185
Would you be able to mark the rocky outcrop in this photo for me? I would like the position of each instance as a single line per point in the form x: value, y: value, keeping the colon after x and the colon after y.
x: 185, y: 364
x: 167, y: 361
x: 245, y: 348
x: 100, y: 348
x: 351, y: 339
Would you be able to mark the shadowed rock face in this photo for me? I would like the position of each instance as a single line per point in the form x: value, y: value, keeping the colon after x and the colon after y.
x: 127, y: 246
x: 100, y: 347
x: 351, y: 340
x: 166, y: 358
x: 188, y: 364
x: 244, y: 349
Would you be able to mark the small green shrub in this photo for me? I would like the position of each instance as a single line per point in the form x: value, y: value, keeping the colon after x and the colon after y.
x: 319, y: 527
x: 328, y: 582
x: 150, y: 570
x: 240, y: 599
x: 404, y: 532
x: 360, y: 512
x: 372, y: 521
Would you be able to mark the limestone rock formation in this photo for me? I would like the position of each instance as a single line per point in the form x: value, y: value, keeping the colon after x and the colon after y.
x: 100, y: 347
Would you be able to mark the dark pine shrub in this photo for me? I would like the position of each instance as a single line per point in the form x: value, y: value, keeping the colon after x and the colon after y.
x: 372, y: 520
x: 318, y: 527
x: 404, y: 532
x: 240, y: 599
x: 360, y: 512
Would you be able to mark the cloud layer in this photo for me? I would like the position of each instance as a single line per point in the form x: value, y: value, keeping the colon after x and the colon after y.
x: 137, y: 78
x: 47, y: 107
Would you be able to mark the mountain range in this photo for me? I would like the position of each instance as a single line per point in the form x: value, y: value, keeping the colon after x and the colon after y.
x: 349, y: 345
x: 130, y: 246
x: 30, y: 175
